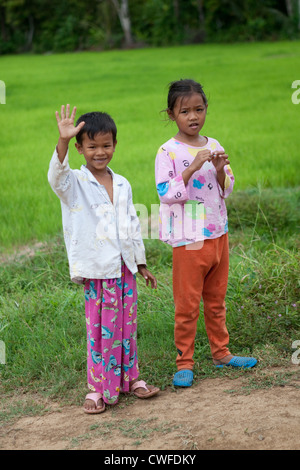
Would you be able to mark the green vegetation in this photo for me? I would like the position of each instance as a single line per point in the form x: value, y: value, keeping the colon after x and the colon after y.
x: 69, y: 25
x: 42, y: 318
x: 250, y: 112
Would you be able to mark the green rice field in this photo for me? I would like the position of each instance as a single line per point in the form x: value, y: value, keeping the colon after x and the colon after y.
x: 249, y: 89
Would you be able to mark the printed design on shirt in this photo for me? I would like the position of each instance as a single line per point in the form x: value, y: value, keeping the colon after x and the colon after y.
x: 195, y: 151
x: 227, y: 182
x: 76, y: 208
x: 199, y: 182
x: 106, y: 227
x: 208, y: 231
x: 162, y: 188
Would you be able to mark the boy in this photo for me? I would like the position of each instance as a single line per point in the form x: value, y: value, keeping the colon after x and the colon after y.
x: 105, y: 251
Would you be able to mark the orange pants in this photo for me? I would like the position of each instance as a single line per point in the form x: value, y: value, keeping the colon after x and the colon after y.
x: 200, y: 273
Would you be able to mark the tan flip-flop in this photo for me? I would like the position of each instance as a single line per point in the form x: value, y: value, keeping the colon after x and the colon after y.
x: 95, y: 397
x: 142, y: 384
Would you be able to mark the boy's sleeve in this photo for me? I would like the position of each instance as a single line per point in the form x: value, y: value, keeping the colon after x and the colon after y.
x: 170, y: 187
x: 61, y: 179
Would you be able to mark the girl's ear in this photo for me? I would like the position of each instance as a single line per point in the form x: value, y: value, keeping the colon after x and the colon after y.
x: 171, y: 115
x: 79, y: 148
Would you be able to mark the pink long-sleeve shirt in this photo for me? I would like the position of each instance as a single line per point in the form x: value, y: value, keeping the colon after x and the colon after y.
x: 196, y: 211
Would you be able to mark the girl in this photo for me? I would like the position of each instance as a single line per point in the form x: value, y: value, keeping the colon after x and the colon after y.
x: 193, y: 179
x: 105, y: 250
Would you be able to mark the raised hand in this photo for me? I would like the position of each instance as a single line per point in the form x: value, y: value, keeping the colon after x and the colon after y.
x: 65, y: 123
x: 67, y: 130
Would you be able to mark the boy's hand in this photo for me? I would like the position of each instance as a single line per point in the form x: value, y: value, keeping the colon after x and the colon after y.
x: 65, y: 123
x: 67, y: 130
x: 147, y: 276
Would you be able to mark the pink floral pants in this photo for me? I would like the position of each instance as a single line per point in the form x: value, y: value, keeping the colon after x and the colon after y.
x: 111, y: 321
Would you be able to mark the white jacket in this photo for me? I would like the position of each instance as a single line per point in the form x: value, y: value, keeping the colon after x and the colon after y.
x: 97, y: 232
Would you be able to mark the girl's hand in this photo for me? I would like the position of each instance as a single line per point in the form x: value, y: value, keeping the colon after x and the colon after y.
x: 147, y: 276
x: 219, y: 160
x: 65, y: 123
x: 201, y: 157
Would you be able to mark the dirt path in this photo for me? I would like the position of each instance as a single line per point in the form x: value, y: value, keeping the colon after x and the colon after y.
x: 214, y: 414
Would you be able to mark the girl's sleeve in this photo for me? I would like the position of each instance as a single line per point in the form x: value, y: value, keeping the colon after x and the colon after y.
x: 170, y: 187
x: 228, y: 183
x: 229, y: 178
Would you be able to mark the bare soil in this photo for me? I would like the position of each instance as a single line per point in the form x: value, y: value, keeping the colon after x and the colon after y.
x: 215, y: 414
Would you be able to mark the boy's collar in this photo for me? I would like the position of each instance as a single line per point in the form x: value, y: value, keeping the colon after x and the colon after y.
x: 90, y: 175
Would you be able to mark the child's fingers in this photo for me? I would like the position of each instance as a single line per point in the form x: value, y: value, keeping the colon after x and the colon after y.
x: 220, y: 154
x: 80, y: 126
x: 62, y: 111
x: 67, y: 111
x: 57, y: 117
x: 73, y: 113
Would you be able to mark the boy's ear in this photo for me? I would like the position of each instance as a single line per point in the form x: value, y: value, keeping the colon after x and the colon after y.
x: 115, y: 143
x: 79, y: 148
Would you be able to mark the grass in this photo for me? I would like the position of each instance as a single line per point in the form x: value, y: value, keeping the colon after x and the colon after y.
x: 42, y: 313
x: 250, y: 112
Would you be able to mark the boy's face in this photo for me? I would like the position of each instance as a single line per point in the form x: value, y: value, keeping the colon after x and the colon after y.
x: 97, y: 152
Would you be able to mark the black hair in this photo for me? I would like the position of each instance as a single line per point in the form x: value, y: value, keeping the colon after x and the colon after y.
x: 96, y: 123
x: 182, y: 88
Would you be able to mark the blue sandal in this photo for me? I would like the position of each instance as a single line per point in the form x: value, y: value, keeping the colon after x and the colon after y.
x: 183, y: 378
x: 238, y: 361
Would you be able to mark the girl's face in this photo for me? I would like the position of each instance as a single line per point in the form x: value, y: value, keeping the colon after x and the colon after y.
x: 189, y: 113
